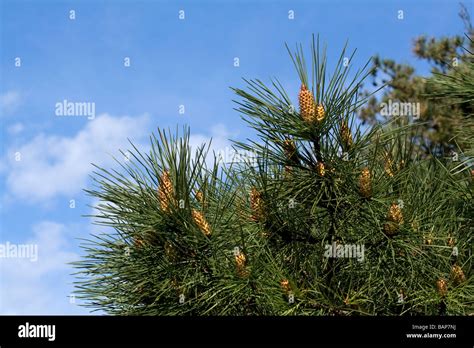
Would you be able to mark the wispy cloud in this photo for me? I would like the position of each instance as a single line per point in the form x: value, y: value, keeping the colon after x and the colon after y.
x: 16, y: 128
x: 53, y: 165
x: 218, y: 138
x: 26, y: 286
x: 9, y: 101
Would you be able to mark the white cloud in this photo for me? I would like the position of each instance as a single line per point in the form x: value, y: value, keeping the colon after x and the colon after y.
x: 52, y: 165
x: 9, y: 101
x: 220, y: 143
x: 16, y: 128
x: 44, y: 286
x: 58, y: 165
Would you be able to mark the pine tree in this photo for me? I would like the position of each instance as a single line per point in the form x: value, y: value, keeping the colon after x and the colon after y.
x: 253, y: 238
x: 437, y: 120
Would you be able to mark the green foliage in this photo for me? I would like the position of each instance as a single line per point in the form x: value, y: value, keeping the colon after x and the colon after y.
x: 271, y: 220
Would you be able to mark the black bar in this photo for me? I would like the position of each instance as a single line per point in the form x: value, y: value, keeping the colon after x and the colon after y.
x: 224, y: 331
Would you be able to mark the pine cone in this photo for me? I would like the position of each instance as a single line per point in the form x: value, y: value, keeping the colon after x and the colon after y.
x: 201, y: 222
x: 365, y: 183
x: 442, y: 286
x: 199, y: 197
x: 307, y: 105
x: 388, y: 167
x: 165, y: 191
x: 320, y: 169
x: 241, y: 261
x: 451, y: 242
x: 457, y: 274
x: 320, y: 112
x: 139, y: 243
x: 285, y: 285
x: 346, y: 135
x: 256, y: 204
x: 395, y: 213
x: 394, y: 220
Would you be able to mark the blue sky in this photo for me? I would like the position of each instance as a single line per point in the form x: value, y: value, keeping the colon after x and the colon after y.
x: 174, y: 62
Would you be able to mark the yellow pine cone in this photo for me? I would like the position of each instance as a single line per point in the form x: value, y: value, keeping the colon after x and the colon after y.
x: 394, y: 220
x: 320, y: 169
x: 442, y: 286
x: 346, y: 134
x: 365, y: 184
x: 199, y: 197
x: 256, y: 204
x: 139, y: 242
x: 201, y: 222
x: 320, y: 112
x: 395, y: 213
x: 388, y: 167
x: 285, y: 285
x: 307, y: 105
x: 165, y: 191
x: 240, y: 261
x: 458, y: 274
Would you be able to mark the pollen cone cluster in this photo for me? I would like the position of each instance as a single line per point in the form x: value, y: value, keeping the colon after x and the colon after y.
x: 346, y: 134
x: 320, y: 169
x: 256, y: 204
x: 394, y: 220
x: 165, y: 191
x: 458, y: 274
x: 285, y: 285
x: 201, y: 222
x: 307, y: 105
x: 388, y: 166
x: 320, y: 112
x: 139, y: 242
x: 200, y: 197
x: 365, y: 183
x: 240, y: 261
x: 442, y: 286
